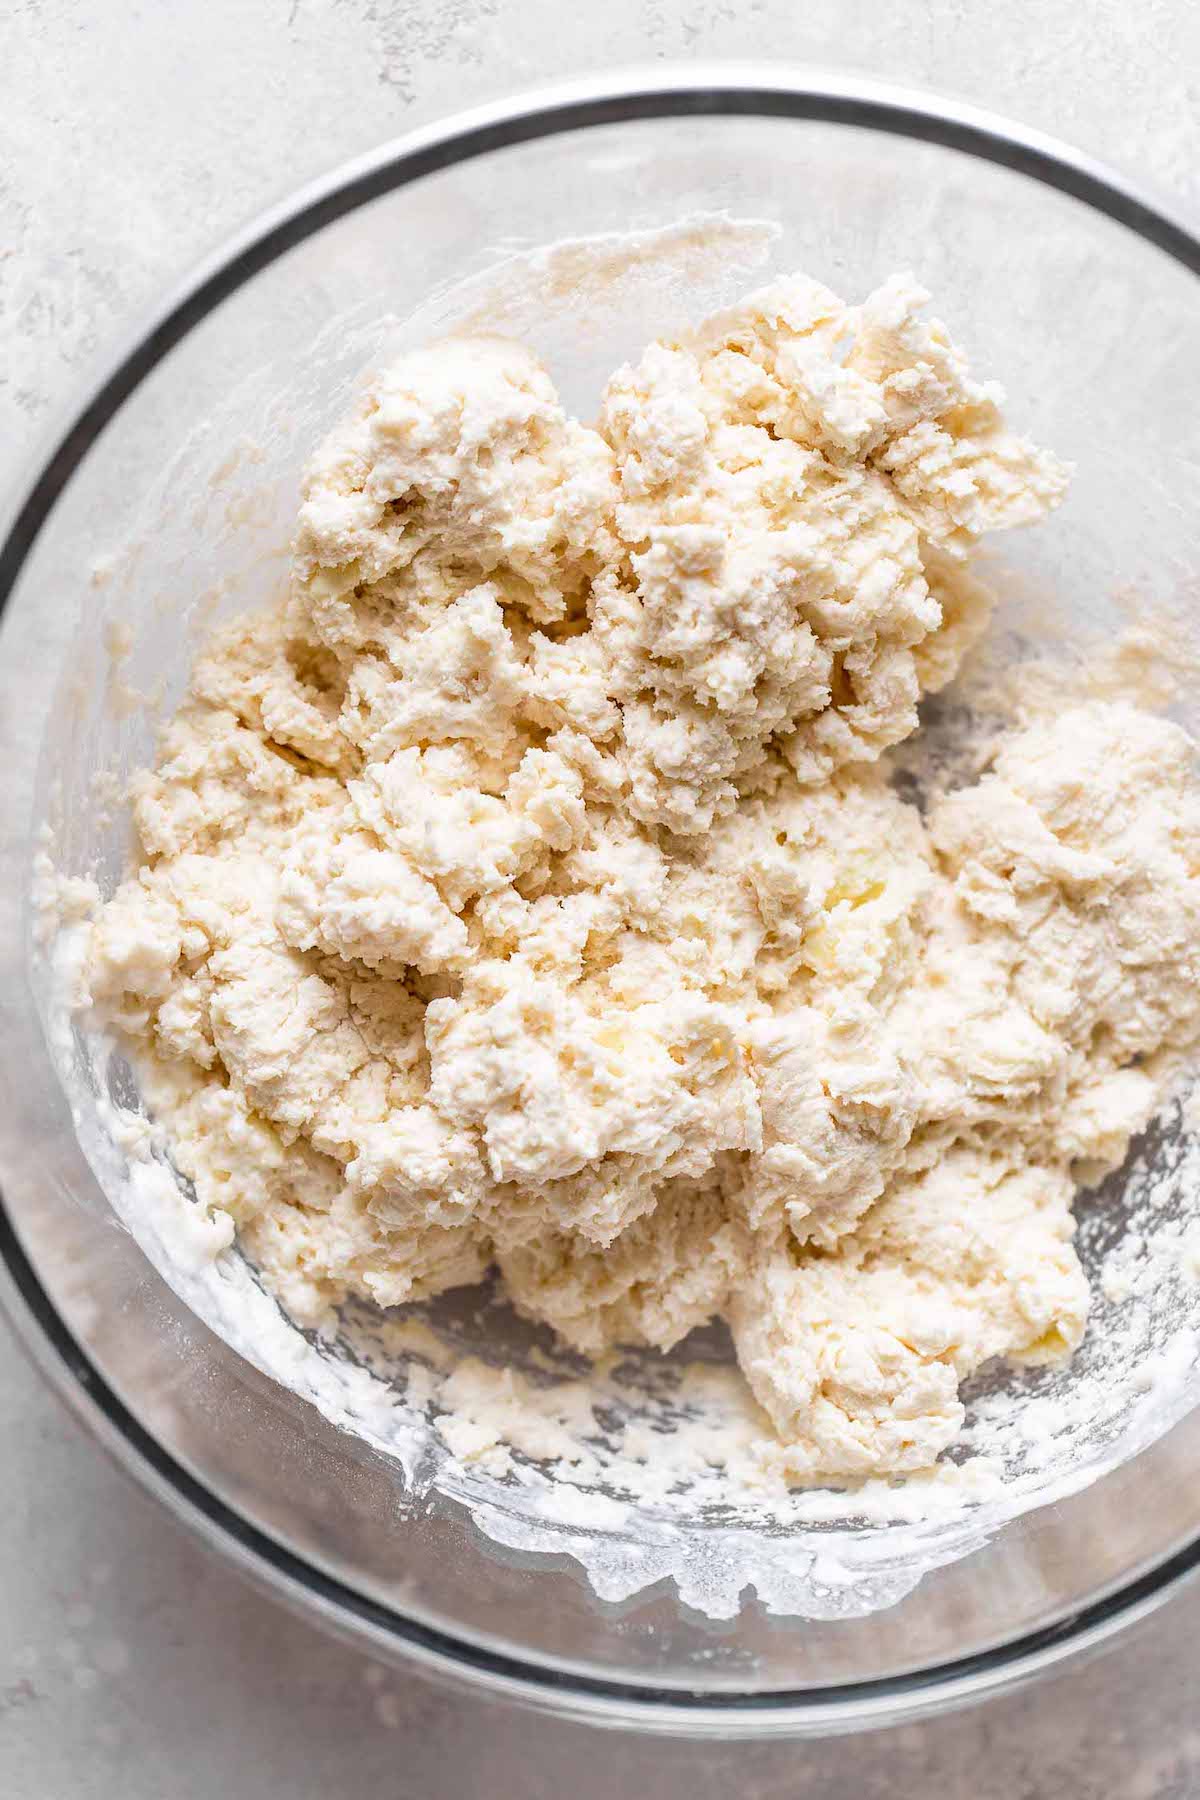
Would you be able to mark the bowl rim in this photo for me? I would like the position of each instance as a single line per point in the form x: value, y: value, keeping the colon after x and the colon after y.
x: 750, y: 90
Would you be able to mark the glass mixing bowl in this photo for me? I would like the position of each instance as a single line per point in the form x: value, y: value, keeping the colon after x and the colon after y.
x: 166, y: 503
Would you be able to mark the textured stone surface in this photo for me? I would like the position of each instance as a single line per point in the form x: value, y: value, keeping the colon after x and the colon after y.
x: 131, y: 139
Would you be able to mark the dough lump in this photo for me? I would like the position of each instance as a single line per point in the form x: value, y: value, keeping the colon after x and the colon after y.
x: 527, y: 888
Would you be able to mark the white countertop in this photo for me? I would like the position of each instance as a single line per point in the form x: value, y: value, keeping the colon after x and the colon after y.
x: 132, y: 136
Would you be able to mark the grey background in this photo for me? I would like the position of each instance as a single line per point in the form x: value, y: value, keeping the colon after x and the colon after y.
x: 132, y: 136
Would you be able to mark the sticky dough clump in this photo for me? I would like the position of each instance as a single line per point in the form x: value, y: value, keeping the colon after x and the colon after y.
x: 527, y: 889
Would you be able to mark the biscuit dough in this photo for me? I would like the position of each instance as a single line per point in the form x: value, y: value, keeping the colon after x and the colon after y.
x: 527, y: 887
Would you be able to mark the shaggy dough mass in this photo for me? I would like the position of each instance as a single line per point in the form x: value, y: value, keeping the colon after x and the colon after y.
x: 527, y: 887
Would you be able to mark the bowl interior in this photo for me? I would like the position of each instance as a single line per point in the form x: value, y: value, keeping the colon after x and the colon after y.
x: 586, y: 244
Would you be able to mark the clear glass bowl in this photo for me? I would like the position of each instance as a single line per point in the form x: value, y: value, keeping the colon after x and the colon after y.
x: 167, y: 501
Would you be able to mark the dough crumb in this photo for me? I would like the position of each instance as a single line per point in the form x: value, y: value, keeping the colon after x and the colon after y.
x: 528, y: 889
